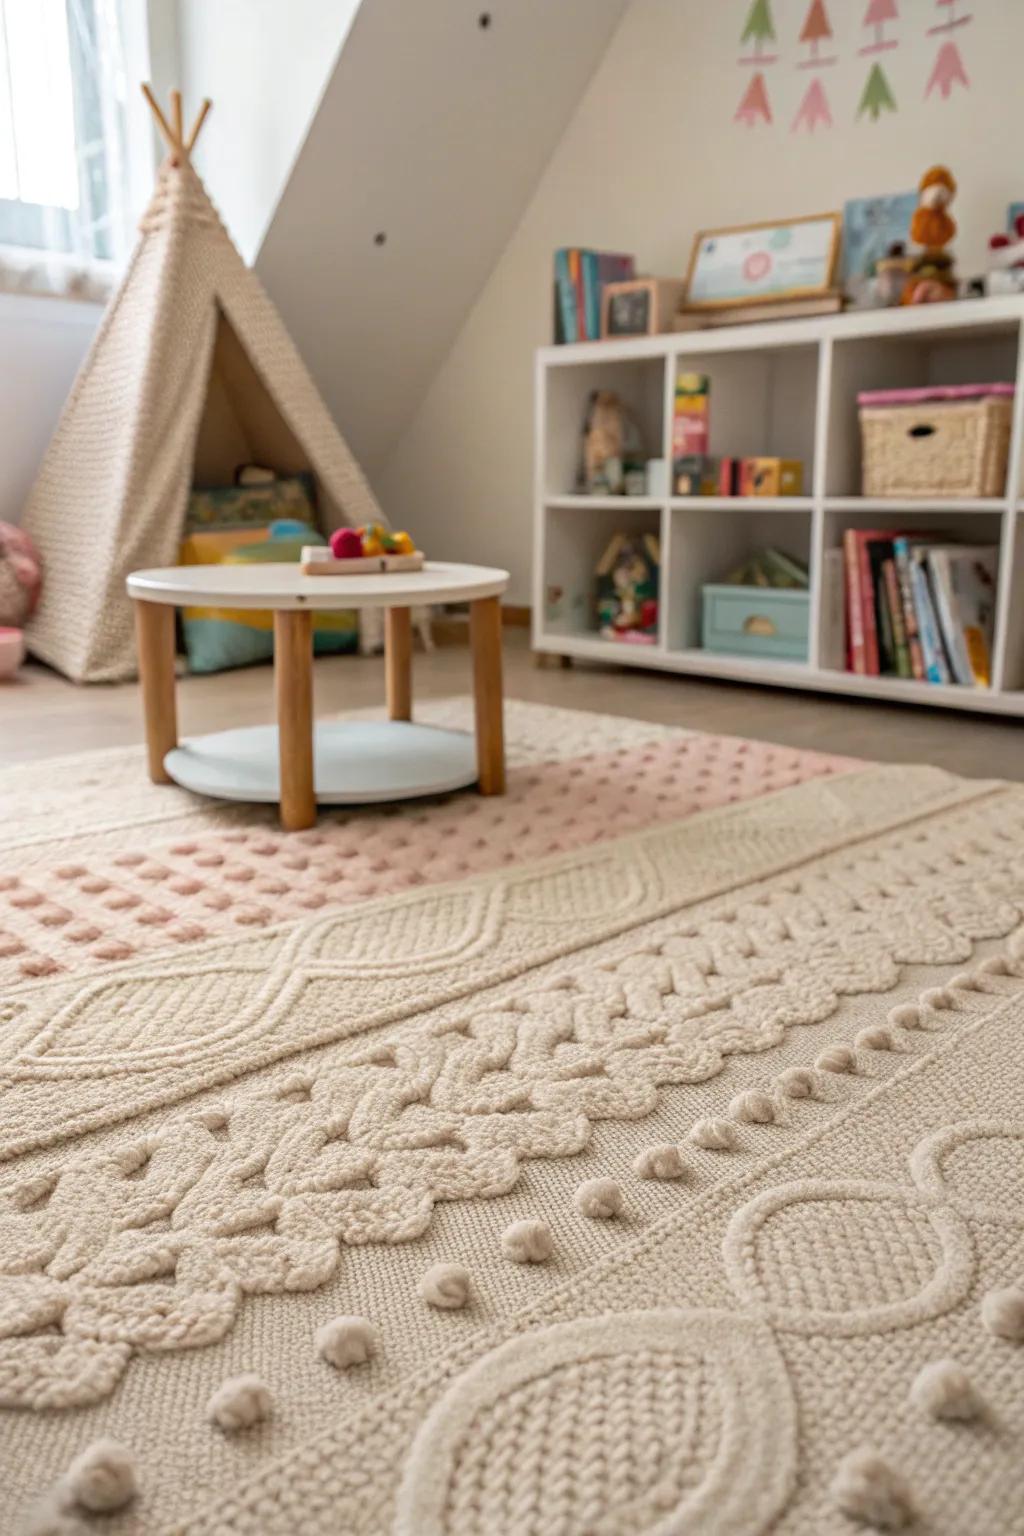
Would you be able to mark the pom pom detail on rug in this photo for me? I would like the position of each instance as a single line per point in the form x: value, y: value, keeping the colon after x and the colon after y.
x: 754, y: 1108
x: 838, y: 1058
x: 527, y: 1242
x: 906, y: 1016
x: 1002, y: 1313
x: 102, y: 1478
x: 943, y: 1390
x: 599, y: 1198
x: 875, y: 1038
x: 867, y: 1488
x: 798, y: 1083
x: 714, y: 1135
x: 239, y: 1402
x: 446, y: 1286
x: 660, y: 1162
x: 346, y: 1341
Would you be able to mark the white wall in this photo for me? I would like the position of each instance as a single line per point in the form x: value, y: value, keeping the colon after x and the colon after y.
x: 434, y: 131
x: 42, y: 342
x: 263, y: 63
x: 652, y: 155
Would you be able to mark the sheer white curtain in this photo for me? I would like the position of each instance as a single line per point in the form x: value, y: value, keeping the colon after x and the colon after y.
x: 64, y: 177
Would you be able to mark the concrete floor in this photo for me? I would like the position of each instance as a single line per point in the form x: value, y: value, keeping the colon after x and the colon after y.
x: 42, y: 715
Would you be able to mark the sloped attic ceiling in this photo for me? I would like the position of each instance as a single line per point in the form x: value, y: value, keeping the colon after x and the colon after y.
x: 429, y: 139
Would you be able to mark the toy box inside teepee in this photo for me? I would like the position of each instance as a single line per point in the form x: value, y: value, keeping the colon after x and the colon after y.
x: 191, y: 375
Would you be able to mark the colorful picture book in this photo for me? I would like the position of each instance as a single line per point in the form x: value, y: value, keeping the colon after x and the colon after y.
x: 580, y: 278
x: 919, y: 607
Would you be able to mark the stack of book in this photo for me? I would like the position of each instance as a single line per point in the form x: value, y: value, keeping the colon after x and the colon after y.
x: 580, y: 277
x: 919, y: 607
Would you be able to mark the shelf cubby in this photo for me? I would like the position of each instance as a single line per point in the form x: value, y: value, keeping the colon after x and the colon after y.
x: 787, y: 389
x: 704, y: 545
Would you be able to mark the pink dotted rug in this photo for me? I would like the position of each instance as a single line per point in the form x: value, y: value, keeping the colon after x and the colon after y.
x: 100, y: 866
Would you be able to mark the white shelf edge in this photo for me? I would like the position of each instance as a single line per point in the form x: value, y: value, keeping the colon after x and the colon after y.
x: 900, y: 505
x: 605, y: 503
x: 742, y: 503
x: 783, y: 674
x: 913, y: 321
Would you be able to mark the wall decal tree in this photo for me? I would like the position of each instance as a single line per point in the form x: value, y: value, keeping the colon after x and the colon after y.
x: 877, y: 15
x: 759, y: 30
x: 878, y: 96
x: 949, y: 71
x: 755, y: 107
x: 814, y: 110
x: 816, y: 29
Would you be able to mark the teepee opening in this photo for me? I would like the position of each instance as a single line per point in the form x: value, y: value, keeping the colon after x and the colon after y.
x: 191, y: 375
x: 241, y: 424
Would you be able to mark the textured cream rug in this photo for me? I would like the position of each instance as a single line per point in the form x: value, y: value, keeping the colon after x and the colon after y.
x: 752, y: 1080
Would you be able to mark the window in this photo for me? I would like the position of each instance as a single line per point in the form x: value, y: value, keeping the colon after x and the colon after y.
x: 64, y: 182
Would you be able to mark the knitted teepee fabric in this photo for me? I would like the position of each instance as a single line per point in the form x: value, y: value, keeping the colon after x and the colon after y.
x: 111, y: 494
x: 671, y: 1183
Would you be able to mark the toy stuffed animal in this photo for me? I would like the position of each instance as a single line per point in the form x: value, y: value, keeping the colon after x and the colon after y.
x: 931, y: 225
x: 610, y: 437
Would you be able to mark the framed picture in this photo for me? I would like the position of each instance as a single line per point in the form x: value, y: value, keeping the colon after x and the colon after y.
x: 643, y: 306
x: 870, y: 226
x: 755, y: 263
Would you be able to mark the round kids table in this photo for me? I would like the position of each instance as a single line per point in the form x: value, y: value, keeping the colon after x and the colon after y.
x: 297, y: 762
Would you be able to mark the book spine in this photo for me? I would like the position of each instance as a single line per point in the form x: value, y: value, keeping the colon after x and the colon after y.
x: 576, y: 274
x: 592, y: 294
x: 935, y: 669
x: 949, y: 617
x: 899, y: 629
x: 854, y: 610
x: 567, y: 295
x: 901, y: 554
x: 869, y: 614
x: 833, y: 598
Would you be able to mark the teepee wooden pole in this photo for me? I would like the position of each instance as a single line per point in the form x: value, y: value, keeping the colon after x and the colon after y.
x: 161, y: 121
x: 197, y: 125
x: 177, y: 121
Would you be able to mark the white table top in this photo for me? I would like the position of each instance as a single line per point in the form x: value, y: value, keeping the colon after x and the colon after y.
x: 284, y: 586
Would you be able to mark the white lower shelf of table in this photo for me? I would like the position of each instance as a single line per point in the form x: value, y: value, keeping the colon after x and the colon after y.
x: 588, y: 646
x: 354, y: 762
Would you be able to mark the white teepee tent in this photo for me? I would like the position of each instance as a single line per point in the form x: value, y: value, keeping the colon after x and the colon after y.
x: 191, y: 373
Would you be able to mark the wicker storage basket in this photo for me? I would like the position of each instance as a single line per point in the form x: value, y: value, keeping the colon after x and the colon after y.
x: 952, y: 440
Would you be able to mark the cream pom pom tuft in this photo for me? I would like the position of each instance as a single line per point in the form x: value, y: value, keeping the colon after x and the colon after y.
x: 943, y: 1389
x: 346, y: 1341
x: 798, y: 1082
x: 239, y: 1402
x: 866, y: 1488
x: 600, y: 1198
x: 445, y: 1286
x: 838, y: 1058
x: 1002, y: 1313
x: 527, y: 1242
x: 875, y: 1038
x: 102, y: 1478
x: 714, y: 1135
x: 660, y: 1162
x: 753, y: 1108
x: 939, y: 998
x: 906, y: 1016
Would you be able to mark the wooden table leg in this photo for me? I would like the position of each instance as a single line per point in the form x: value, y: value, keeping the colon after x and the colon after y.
x: 293, y: 686
x: 485, y: 638
x: 398, y: 662
x: 154, y: 633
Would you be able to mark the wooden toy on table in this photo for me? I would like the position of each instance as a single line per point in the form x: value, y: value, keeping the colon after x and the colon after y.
x: 361, y: 551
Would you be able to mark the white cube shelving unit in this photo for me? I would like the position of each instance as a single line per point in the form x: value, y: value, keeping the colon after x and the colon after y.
x: 787, y: 388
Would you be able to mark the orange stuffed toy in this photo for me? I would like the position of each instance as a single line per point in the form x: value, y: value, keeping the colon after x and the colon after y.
x: 931, y: 225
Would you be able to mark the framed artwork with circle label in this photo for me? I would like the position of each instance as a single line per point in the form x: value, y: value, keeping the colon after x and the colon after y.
x: 793, y: 259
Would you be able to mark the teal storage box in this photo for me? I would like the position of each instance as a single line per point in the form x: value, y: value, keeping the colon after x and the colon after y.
x: 770, y: 622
